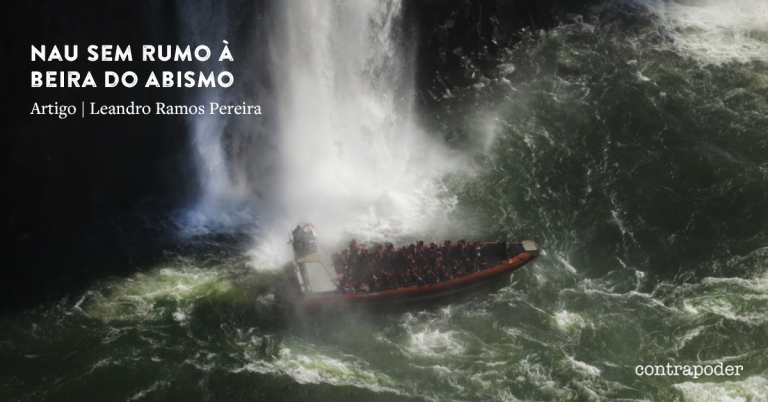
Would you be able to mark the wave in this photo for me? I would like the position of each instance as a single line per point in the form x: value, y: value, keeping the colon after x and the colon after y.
x: 752, y: 389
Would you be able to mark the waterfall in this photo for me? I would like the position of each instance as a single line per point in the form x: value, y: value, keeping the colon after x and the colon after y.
x: 202, y: 23
x: 344, y: 110
x: 225, y: 195
x: 343, y: 151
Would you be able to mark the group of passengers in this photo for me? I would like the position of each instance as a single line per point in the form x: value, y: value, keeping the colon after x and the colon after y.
x: 359, y: 269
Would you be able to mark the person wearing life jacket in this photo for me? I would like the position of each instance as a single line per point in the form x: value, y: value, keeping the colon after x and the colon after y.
x: 417, y: 278
x: 297, y: 238
x: 431, y: 276
x: 347, y: 286
x: 402, y: 277
x: 457, y: 269
x: 444, y: 273
x: 309, y: 231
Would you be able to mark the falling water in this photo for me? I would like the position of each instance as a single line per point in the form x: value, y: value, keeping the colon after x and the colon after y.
x: 225, y: 196
x: 344, y: 123
x: 348, y: 145
x: 345, y: 152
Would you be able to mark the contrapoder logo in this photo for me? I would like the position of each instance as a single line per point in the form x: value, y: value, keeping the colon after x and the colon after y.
x: 688, y: 371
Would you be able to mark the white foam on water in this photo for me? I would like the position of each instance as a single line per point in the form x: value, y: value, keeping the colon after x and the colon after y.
x: 753, y: 389
x: 449, y: 376
x: 712, y: 31
x: 690, y: 309
x: 144, y: 392
x: 487, y: 379
x: 620, y: 224
x: 565, y: 263
x: 203, y: 361
x: 640, y: 275
x: 309, y: 367
x: 726, y: 307
x: 725, y: 359
x: 758, y: 284
x: 541, y: 377
x: 720, y: 31
x: 568, y: 321
x: 595, y: 289
x: 688, y: 337
x: 143, y: 296
x: 272, y: 250
x: 113, y: 334
x: 105, y: 362
x: 584, y: 367
x: 735, y: 299
x: 434, y: 343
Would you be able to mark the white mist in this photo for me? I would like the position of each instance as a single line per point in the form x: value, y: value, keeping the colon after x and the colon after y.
x: 351, y: 157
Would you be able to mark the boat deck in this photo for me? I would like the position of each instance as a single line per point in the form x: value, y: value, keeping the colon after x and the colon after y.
x: 317, y: 278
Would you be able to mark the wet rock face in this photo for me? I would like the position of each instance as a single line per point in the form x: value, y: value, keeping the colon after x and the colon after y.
x: 462, y: 43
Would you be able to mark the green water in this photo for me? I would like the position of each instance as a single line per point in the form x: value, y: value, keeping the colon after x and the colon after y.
x: 639, y: 162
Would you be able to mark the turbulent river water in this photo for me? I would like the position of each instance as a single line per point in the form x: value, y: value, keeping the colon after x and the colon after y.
x: 633, y: 148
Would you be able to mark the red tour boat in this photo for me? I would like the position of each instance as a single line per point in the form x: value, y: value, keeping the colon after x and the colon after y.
x: 386, y: 274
